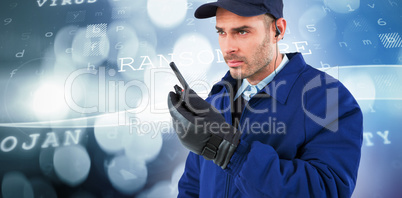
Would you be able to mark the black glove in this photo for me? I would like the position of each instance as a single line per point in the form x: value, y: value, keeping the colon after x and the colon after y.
x: 201, y: 128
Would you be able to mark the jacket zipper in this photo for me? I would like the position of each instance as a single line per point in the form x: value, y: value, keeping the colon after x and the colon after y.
x: 228, y: 177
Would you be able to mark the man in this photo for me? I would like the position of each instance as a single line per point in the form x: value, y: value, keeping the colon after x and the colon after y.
x: 274, y: 126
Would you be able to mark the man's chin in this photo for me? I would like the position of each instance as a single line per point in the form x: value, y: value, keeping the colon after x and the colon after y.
x: 236, y: 74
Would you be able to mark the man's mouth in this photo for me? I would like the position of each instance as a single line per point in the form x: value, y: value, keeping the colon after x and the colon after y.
x: 234, y: 63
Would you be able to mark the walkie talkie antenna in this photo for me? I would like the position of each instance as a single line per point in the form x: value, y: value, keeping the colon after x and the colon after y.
x: 181, y: 80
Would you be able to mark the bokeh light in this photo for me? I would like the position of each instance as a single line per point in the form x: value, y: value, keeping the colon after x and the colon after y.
x: 343, y: 6
x: 160, y: 189
x: 46, y: 164
x: 127, y: 176
x: 167, y: 14
x: 315, y: 23
x: 48, y: 102
x: 146, y: 31
x: 123, y: 41
x: 193, y: 53
x: 63, y: 44
x: 160, y: 81
x: 109, y: 134
x: 15, y: 184
x: 71, y: 164
x: 145, y: 140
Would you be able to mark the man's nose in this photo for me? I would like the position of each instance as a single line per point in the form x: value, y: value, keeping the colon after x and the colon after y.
x: 230, y: 45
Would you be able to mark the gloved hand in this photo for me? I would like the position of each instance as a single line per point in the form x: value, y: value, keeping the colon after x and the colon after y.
x: 201, y: 128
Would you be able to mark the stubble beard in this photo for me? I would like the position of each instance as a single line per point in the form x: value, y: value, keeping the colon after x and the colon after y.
x: 259, y: 61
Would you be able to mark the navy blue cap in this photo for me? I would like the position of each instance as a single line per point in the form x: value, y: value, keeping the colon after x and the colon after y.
x: 246, y: 8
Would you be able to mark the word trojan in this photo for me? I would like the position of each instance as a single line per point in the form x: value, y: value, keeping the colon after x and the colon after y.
x: 9, y: 143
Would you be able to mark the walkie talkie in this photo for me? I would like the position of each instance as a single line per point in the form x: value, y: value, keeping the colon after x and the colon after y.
x: 183, y: 82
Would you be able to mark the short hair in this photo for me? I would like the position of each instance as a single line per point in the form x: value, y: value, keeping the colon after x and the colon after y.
x: 268, y: 18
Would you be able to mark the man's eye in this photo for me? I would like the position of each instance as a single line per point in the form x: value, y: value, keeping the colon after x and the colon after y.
x: 221, y: 32
x: 243, y: 32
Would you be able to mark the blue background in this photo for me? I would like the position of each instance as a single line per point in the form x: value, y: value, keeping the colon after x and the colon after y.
x: 43, y: 48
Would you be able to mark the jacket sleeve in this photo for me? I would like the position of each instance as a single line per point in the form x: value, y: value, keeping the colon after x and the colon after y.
x: 326, y: 165
x: 189, y: 182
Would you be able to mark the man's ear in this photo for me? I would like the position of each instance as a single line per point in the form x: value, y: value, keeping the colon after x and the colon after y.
x: 280, y: 28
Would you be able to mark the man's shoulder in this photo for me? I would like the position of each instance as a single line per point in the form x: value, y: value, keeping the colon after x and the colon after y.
x: 320, y: 88
x: 312, y: 80
x: 313, y: 76
x: 309, y: 74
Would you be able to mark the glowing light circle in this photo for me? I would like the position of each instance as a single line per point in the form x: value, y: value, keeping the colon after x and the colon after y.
x: 63, y: 43
x: 167, y: 14
x: 127, y: 176
x: 72, y: 164
x: 15, y: 184
x: 46, y: 162
x: 316, y: 23
x: 193, y: 53
x: 163, y: 189
x: 343, y: 6
x: 144, y: 142
x: 127, y: 47
x: 48, y: 102
x: 109, y: 134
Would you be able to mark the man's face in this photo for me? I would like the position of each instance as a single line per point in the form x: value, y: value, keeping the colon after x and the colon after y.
x: 246, y: 45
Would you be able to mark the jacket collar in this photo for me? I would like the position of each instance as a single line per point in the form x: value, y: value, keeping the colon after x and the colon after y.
x: 226, y: 82
x: 280, y: 86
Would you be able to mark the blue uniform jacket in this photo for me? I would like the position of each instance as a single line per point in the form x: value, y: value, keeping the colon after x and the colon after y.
x: 301, y: 137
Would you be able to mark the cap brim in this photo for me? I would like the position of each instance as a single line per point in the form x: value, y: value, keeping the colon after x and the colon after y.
x: 209, y: 9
